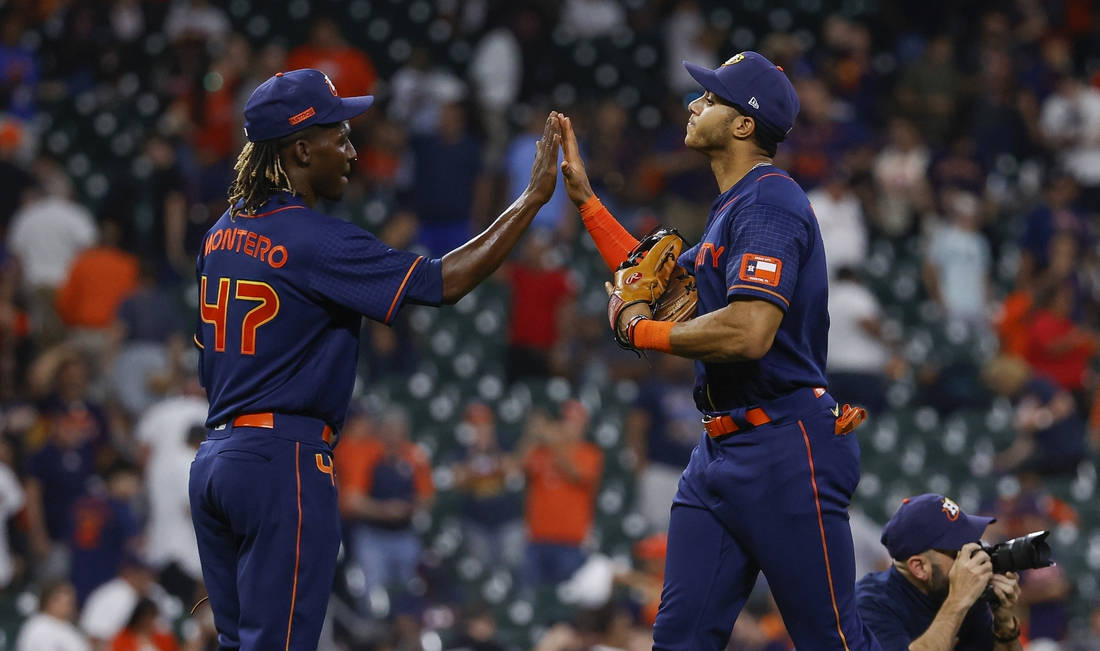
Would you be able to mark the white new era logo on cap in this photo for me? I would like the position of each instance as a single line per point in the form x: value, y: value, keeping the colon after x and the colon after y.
x: 753, y: 103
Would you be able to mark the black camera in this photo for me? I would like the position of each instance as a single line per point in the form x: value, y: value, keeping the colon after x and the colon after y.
x: 1024, y: 553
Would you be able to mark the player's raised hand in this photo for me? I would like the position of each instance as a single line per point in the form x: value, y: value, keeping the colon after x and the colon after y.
x: 572, y: 167
x: 544, y: 171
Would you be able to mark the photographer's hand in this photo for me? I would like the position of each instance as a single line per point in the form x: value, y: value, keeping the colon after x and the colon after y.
x: 1007, y: 588
x: 971, y: 572
x: 1006, y: 628
x: 967, y: 579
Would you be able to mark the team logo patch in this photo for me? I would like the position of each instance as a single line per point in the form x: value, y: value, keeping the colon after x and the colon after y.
x: 331, y: 87
x: 761, y: 269
x: 737, y: 58
x: 951, y: 509
x: 304, y: 115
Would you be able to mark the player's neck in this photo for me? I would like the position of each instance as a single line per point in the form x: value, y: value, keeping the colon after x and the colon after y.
x: 302, y: 189
x: 731, y: 166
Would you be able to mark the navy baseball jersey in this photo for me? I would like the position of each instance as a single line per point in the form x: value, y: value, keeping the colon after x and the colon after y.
x: 282, y: 295
x: 898, y: 613
x: 762, y: 241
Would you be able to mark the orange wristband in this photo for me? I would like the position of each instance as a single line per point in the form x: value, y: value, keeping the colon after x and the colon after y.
x: 612, y: 240
x: 653, y: 335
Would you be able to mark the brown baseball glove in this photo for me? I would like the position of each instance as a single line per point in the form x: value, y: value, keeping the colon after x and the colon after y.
x: 651, y: 275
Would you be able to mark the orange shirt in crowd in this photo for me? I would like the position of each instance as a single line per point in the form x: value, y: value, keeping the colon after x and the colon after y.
x: 560, y: 510
x: 128, y: 640
x: 359, y: 457
x: 1012, y: 323
x: 99, y: 280
x: 348, y: 68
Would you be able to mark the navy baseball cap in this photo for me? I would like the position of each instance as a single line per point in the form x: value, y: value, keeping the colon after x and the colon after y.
x: 757, y: 86
x: 930, y: 521
x: 294, y: 100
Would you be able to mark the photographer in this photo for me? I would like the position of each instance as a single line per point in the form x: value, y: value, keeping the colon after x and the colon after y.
x: 931, y: 599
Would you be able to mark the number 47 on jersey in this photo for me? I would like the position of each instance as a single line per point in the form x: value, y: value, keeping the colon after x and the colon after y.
x: 217, y: 313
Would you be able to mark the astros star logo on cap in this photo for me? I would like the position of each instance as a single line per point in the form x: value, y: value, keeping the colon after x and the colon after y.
x: 737, y: 58
x: 951, y: 509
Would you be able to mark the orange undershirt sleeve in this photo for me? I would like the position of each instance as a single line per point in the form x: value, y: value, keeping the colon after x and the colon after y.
x: 612, y: 240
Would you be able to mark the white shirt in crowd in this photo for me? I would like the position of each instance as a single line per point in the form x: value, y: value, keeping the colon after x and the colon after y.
x: 843, y: 232
x: 496, y: 69
x: 170, y: 535
x: 1075, y: 117
x: 683, y: 33
x: 961, y: 260
x: 851, y: 349
x: 592, y: 18
x: 46, y: 235
x: 11, y: 501
x: 164, y: 426
x: 42, y: 632
x: 108, y: 609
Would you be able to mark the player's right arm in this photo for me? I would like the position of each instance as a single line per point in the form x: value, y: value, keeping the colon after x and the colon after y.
x: 468, y: 265
x: 612, y: 240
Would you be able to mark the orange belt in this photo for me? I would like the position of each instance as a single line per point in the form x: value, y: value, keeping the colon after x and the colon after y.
x: 266, y: 420
x: 721, y: 425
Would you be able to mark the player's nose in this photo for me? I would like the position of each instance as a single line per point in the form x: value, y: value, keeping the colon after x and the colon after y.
x: 352, y: 154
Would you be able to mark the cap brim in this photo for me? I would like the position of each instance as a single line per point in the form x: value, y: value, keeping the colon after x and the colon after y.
x: 708, y: 79
x: 959, y: 536
x: 348, y: 108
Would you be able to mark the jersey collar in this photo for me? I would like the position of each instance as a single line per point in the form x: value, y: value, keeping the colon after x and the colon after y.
x: 277, y: 202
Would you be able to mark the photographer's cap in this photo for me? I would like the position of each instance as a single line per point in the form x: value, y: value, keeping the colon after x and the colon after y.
x: 930, y: 521
x: 294, y: 100
x: 757, y: 86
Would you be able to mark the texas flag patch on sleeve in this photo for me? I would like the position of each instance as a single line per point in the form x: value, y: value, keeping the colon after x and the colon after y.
x: 761, y: 269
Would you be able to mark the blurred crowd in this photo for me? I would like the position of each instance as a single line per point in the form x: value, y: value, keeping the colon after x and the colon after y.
x: 951, y: 153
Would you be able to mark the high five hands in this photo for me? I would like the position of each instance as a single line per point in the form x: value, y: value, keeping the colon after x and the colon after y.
x: 572, y: 167
x: 544, y: 173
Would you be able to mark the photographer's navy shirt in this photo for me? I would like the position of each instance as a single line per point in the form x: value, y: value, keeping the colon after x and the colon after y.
x: 898, y: 613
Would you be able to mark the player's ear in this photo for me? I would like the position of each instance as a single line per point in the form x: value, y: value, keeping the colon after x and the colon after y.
x: 743, y: 126
x: 299, y: 151
x: 919, y: 566
x: 295, y: 149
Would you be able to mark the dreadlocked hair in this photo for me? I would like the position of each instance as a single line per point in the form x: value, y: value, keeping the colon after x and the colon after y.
x: 259, y: 173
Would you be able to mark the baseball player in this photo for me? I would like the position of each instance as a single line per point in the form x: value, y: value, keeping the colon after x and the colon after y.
x: 768, y: 486
x: 283, y: 289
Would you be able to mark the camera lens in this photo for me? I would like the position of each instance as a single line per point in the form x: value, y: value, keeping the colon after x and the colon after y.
x: 1023, y: 553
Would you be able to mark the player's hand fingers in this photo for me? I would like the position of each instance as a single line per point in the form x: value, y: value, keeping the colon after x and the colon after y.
x: 569, y: 141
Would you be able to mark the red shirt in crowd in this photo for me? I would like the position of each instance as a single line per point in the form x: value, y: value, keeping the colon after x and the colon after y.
x: 537, y: 295
x: 1049, y: 355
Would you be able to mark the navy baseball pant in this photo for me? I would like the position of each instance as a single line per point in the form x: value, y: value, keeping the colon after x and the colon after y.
x: 772, y: 498
x: 263, y: 501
